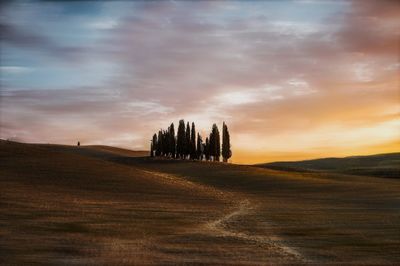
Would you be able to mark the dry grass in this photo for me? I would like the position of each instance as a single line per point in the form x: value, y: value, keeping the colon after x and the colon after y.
x: 91, y: 205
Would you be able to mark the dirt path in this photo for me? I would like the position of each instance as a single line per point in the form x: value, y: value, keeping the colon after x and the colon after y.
x: 242, y: 207
x: 181, y: 181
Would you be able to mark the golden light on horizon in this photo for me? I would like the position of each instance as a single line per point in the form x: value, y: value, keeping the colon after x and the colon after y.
x: 250, y: 157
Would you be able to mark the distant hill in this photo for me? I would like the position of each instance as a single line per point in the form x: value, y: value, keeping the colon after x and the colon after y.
x: 379, y: 165
x: 100, y: 151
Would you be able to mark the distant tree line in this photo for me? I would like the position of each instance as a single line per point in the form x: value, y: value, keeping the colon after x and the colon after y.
x: 186, y: 144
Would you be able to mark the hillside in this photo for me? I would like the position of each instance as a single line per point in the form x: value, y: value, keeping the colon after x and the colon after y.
x: 380, y: 165
x: 85, y: 205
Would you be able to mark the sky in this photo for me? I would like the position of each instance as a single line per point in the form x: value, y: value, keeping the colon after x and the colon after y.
x: 292, y: 79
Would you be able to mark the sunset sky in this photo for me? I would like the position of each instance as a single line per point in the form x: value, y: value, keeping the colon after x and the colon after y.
x: 292, y: 79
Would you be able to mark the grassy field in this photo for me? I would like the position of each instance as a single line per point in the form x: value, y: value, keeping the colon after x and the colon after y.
x: 108, y: 206
x: 380, y: 165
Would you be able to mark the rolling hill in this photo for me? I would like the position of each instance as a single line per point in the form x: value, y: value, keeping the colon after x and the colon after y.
x: 380, y: 165
x: 101, y: 205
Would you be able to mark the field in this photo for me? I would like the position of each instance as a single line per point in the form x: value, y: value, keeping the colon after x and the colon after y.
x: 108, y: 206
x: 380, y: 165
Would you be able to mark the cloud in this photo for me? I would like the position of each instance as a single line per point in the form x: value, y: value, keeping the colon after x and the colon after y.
x: 18, y: 37
x: 15, y: 69
x: 103, y: 24
x: 371, y: 27
x: 271, y: 70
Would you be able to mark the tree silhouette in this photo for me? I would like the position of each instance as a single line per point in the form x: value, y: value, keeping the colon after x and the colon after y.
x: 153, y: 145
x: 165, y: 147
x: 207, y: 149
x: 199, y: 150
x: 186, y: 145
x: 215, y: 147
x: 187, y: 140
x: 211, y: 146
x: 159, y: 144
x: 172, y: 141
x: 193, y: 142
x: 180, y: 147
x: 226, y: 146
x: 217, y: 143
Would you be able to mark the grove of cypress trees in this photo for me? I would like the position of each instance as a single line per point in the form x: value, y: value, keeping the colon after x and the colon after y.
x: 226, y: 145
x: 184, y: 145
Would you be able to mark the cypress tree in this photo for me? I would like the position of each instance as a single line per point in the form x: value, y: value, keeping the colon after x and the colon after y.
x: 218, y: 144
x: 215, y: 147
x: 211, y: 145
x: 207, y: 149
x: 163, y: 143
x: 159, y: 144
x: 199, y: 151
x: 203, y: 150
x: 165, y: 147
x: 172, y: 142
x: 226, y: 145
x: 153, y: 145
x: 167, y: 142
x: 187, y: 140
x: 180, y: 147
x: 193, y: 142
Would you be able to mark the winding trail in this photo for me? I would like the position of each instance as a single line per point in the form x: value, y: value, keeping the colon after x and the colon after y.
x: 242, y: 208
x: 183, y: 182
